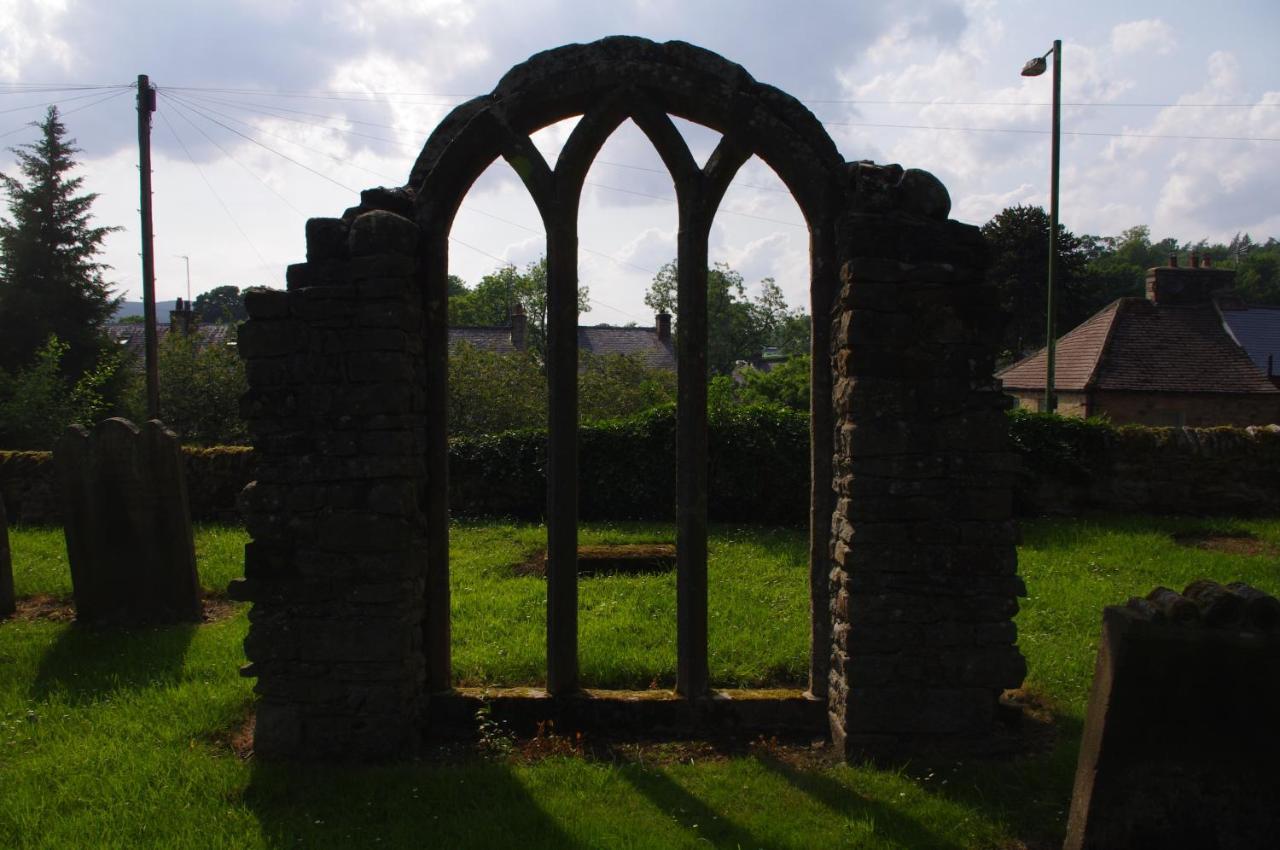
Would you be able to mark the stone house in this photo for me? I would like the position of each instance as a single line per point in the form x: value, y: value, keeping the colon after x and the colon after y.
x: 653, y: 346
x: 1190, y: 353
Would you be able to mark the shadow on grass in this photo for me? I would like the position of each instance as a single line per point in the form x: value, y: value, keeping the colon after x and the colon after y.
x: 1030, y: 794
x: 85, y: 663
x: 848, y: 805
x: 691, y: 813
x: 481, y: 805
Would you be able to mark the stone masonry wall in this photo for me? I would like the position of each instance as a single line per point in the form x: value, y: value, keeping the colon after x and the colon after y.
x: 334, y: 569
x: 924, y: 570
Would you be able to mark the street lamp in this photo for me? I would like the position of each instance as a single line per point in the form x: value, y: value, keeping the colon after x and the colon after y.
x: 1034, y: 68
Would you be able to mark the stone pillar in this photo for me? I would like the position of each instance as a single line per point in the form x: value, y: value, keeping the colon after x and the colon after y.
x: 336, y: 568
x: 924, y: 569
x: 127, y: 524
x: 8, y: 604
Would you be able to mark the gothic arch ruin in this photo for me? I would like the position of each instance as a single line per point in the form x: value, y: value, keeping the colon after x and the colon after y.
x: 913, y: 571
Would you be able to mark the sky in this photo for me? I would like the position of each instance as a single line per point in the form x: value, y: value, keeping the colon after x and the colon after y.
x: 271, y: 113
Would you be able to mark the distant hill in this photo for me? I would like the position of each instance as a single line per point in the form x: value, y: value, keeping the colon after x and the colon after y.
x: 134, y: 308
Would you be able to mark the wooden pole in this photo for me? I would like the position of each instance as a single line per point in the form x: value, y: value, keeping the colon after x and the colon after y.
x: 147, y: 105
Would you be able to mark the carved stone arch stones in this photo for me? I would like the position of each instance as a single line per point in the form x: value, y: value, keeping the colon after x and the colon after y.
x: 912, y: 564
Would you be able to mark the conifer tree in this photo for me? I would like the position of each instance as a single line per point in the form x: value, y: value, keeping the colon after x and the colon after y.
x: 51, y: 282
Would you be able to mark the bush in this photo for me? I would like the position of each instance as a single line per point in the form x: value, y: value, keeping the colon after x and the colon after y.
x: 200, y: 389
x: 38, y: 403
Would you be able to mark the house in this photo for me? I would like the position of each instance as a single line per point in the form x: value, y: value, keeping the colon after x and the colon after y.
x: 1189, y: 353
x: 130, y: 336
x: 652, y: 345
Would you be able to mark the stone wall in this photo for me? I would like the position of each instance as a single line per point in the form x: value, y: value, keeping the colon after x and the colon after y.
x: 214, y: 476
x: 1192, y: 410
x: 924, y: 570
x: 336, y: 414
x: 1193, y: 471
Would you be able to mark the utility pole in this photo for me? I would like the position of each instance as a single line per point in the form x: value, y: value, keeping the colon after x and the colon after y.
x: 147, y: 105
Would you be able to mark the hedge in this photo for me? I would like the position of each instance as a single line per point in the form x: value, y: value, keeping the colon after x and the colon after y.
x: 759, y: 470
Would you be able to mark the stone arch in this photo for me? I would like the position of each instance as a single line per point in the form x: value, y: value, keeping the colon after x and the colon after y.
x: 912, y: 561
x: 608, y: 82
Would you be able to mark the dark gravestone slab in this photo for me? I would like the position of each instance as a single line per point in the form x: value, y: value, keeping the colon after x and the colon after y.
x: 127, y: 524
x: 1180, y: 746
x: 7, y: 602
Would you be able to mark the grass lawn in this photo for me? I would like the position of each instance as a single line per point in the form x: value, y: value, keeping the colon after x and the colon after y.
x: 119, y: 739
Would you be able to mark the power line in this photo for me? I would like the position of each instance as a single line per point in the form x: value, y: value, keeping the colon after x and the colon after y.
x: 214, y: 191
x: 468, y: 207
x: 94, y: 93
x: 111, y: 96
x: 366, y: 95
x: 202, y: 113
x: 1046, y: 132
x: 267, y: 147
x: 227, y: 154
x: 673, y: 201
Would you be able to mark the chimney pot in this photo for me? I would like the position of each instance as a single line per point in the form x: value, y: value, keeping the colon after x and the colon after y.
x: 1173, y: 259
x: 1195, y: 259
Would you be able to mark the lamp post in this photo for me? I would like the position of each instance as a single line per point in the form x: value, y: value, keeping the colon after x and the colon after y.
x: 1034, y: 68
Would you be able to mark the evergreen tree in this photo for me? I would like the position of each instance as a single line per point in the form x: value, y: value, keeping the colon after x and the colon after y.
x: 51, y: 282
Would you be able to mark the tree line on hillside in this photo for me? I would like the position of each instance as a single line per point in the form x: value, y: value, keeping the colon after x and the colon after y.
x: 58, y: 366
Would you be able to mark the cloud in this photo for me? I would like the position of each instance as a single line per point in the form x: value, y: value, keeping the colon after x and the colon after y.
x: 1148, y: 35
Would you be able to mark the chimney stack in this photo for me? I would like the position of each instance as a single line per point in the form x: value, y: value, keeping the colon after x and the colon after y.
x: 1194, y: 284
x: 182, y: 318
x: 519, y: 327
x: 662, y: 324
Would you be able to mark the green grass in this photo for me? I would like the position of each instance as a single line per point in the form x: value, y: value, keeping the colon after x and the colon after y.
x: 115, y: 739
x: 757, y: 625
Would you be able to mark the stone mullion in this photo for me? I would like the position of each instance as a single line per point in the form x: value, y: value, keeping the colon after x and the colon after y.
x: 437, y: 626
x: 562, y: 454
x: 692, y: 674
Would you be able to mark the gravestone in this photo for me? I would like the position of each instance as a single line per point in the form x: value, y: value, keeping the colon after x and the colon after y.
x: 7, y: 602
x: 127, y: 524
x: 1180, y: 745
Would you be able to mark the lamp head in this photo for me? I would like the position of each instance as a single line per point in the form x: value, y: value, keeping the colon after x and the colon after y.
x: 1034, y: 67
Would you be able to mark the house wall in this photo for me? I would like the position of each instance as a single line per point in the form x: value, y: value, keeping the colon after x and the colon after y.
x: 1069, y: 403
x: 1188, y: 409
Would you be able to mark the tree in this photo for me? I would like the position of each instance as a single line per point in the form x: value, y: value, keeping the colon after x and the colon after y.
x: 493, y: 299
x: 1018, y: 240
x: 615, y: 385
x: 738, y: 328
x: 50, y: 279
x: 1258, y: 273
x: 37, y: 403
x: 222, y: 305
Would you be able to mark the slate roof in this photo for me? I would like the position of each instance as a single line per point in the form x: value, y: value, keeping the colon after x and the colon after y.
x: 497, y: 340
x: 1133, y: 344
x: 596, y: 339
x: 1257, y: 329
x: 129, y: 335
x: 642, y: 342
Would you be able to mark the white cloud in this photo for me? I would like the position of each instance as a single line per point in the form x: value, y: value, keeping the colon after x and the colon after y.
x: 1148, y: 35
